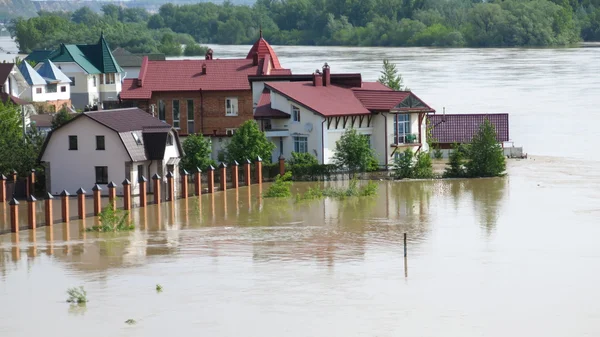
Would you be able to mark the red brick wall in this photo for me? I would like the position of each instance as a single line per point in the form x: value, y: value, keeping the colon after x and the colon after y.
x: 214, y: 117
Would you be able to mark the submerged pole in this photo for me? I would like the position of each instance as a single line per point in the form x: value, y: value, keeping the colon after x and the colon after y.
x: 404, y: 244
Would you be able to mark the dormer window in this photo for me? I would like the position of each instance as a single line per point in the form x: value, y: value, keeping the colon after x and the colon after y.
x: 136, y: 138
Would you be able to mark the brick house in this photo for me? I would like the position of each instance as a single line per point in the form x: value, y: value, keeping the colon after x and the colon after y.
x: 210, y: 96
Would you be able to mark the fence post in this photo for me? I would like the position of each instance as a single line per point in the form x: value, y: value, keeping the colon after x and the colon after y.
x: 14, y: 215
x: 126, y: 194
x: 247, y: 177
x: 2, y: 188
x: 223, y: 168
x: 142, y: 181
x: 281, y: 165
x: 97, y: 199
x: 170, y: 187
x: 48, y: 209
x: 31, y: 223
x: 259, y: 177
x: 184, y: 183
x: 211, y: 179
x: 81, y: 203
x: 198, y: 182
x: 235, y: 174
x: 112, y: 195
x: 156, y: 179
x: 64, y: 199
x: 14, y: 176
x: 32, y: 182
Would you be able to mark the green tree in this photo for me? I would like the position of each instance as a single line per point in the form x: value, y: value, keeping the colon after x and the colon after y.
x: 456, y: 162
x: 60, y: 118
x: 248, y: 142
x: 390, y: 76
x: 196, y: 151
x: 485, y: 155
x: 303, y: 158
x: 353, y: 152
x: 194, y: 50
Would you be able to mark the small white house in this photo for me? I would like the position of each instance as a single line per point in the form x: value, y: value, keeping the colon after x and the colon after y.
x: 46, y: 84
x: 303, y: 116
x: 12, y: 81
x: 109, y: 145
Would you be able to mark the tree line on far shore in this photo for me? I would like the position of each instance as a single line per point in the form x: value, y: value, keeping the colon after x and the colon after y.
x: 456, y: 23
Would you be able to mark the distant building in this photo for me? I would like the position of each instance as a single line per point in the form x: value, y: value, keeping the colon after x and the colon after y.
x: 448, y: 129
x: 48, y: 84
x: 12, y: 81
x: 94, y: 73
x: 111, y: 145
x: 131, y: 63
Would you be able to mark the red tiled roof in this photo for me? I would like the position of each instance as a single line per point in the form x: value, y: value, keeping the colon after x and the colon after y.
x: 280, y: 72
x: 374, y: 86
x: 263, y: 48
x: 386, y: 100
x: 186, y: 75
x: 264, y: 110
x: 329, y: 100
x: 460, y: 128
x: 14, y: 100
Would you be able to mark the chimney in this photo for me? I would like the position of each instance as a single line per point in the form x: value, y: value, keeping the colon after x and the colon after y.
x: 203, y: 68
x: 255, y: 59
x: 317, y: 78
x: 326, y: 75
x: 209, y: 54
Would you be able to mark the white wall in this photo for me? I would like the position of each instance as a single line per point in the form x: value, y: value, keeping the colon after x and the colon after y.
x: 70, y: 169
x: 257, y: 89
x: 49, y: 96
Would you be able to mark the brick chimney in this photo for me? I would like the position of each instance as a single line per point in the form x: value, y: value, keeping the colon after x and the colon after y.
x: 255, y: 59
x: 317, y: 78
x: 203, y: 68
x: 209, y: 54
x: 326, y: 75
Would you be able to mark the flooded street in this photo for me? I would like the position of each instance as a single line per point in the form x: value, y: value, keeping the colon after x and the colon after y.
x: 486, y: 257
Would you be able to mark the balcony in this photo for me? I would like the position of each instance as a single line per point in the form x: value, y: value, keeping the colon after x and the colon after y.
x: 404, y: 139
x: 277, y: 132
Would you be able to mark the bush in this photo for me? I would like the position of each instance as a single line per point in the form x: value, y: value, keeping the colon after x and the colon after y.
x: 353, y: 152
x: 281, y: 187
x: 456, y: 163
x: 112, y: 221
x: 194, y: 50
x: 196, y: 151
x: 409, y: 165
x: 437, y: 153
x: 313, y: 172
x: 353, y: 190
x: 486, y: 158
x: 77, y: 295
x: 303, y: 159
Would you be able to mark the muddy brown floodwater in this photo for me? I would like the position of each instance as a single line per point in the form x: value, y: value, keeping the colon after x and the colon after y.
x: 486, y: 257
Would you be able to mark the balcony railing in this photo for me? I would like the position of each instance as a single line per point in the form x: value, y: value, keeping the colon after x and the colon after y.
x: 404, y: 138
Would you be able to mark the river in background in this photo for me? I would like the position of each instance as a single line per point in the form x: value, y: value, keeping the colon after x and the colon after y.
x: 486, y: 257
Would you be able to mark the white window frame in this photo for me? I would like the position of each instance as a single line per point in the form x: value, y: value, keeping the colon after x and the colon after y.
x: 230, y: 131
x: 300, y: 142
x: 176, y: 121
x: 295, y: 114
x: 233, y: 106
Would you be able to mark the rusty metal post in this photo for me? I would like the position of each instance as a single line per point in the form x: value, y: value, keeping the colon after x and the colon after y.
x: 97, y: 199
x: 223, y: 168
x: 259, y: 177
x: 14, y: 215
x: 2, y: 188
x: 235, y: 176
x: 142, y: 181
x: 198, y: 182
x: 211, y: 179
x: 184, y: 184
x: 81, y: 203
x: 48, y: 209
x: 112, y: 195
x: 156, y: 179
x: 281, y: 165
x: 126, y: 195
x: 31, y: 221
x: 64, y: 199
x: 170, y: 186
x: 247, y: 177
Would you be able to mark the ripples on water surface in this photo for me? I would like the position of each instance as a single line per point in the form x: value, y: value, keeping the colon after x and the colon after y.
x: 486, y: 257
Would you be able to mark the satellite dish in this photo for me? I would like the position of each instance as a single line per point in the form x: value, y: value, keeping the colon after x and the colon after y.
x: 308, y: 127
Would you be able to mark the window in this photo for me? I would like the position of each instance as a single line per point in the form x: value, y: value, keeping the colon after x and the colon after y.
x: 161, y: 110
x: 190, y: 116
x: 38, y: 90
x: 72, y: 81
x: 63, y: 88
x: 140, y: 172
x: 295, y: 113
x: 101, y: 174
x: 169, y: 139
x: 51, y: 88
x: 72, y: 142
x: 401, y: 128
x: 136, y: 138
x: 109, y: 78
x: 300, y: 144
x: 100, y: 143
x: 171, y: 168
x: 94, y: 80
x: 368, y: 139
x: 231, y: 107
x: 176, y: 114
x: 230, y: 132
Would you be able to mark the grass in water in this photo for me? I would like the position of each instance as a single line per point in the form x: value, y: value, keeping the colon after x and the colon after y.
x: 353, y: 190
x: 281, y: 187
x: 159, y: 288
x: 112, y: 221
x: 77, y: 295
x: 130, y: 321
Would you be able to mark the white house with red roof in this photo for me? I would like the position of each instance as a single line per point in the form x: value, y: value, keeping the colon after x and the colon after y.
x: 310, y: 116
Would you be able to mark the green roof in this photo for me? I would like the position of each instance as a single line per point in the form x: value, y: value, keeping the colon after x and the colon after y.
x: 38, y: 56
x: 93, y: 58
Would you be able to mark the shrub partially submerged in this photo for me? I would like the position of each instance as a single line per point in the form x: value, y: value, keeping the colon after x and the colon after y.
x: 281, y: 187
x: 77, y: 295
x: 353, y: 190
x: 112, y: 220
